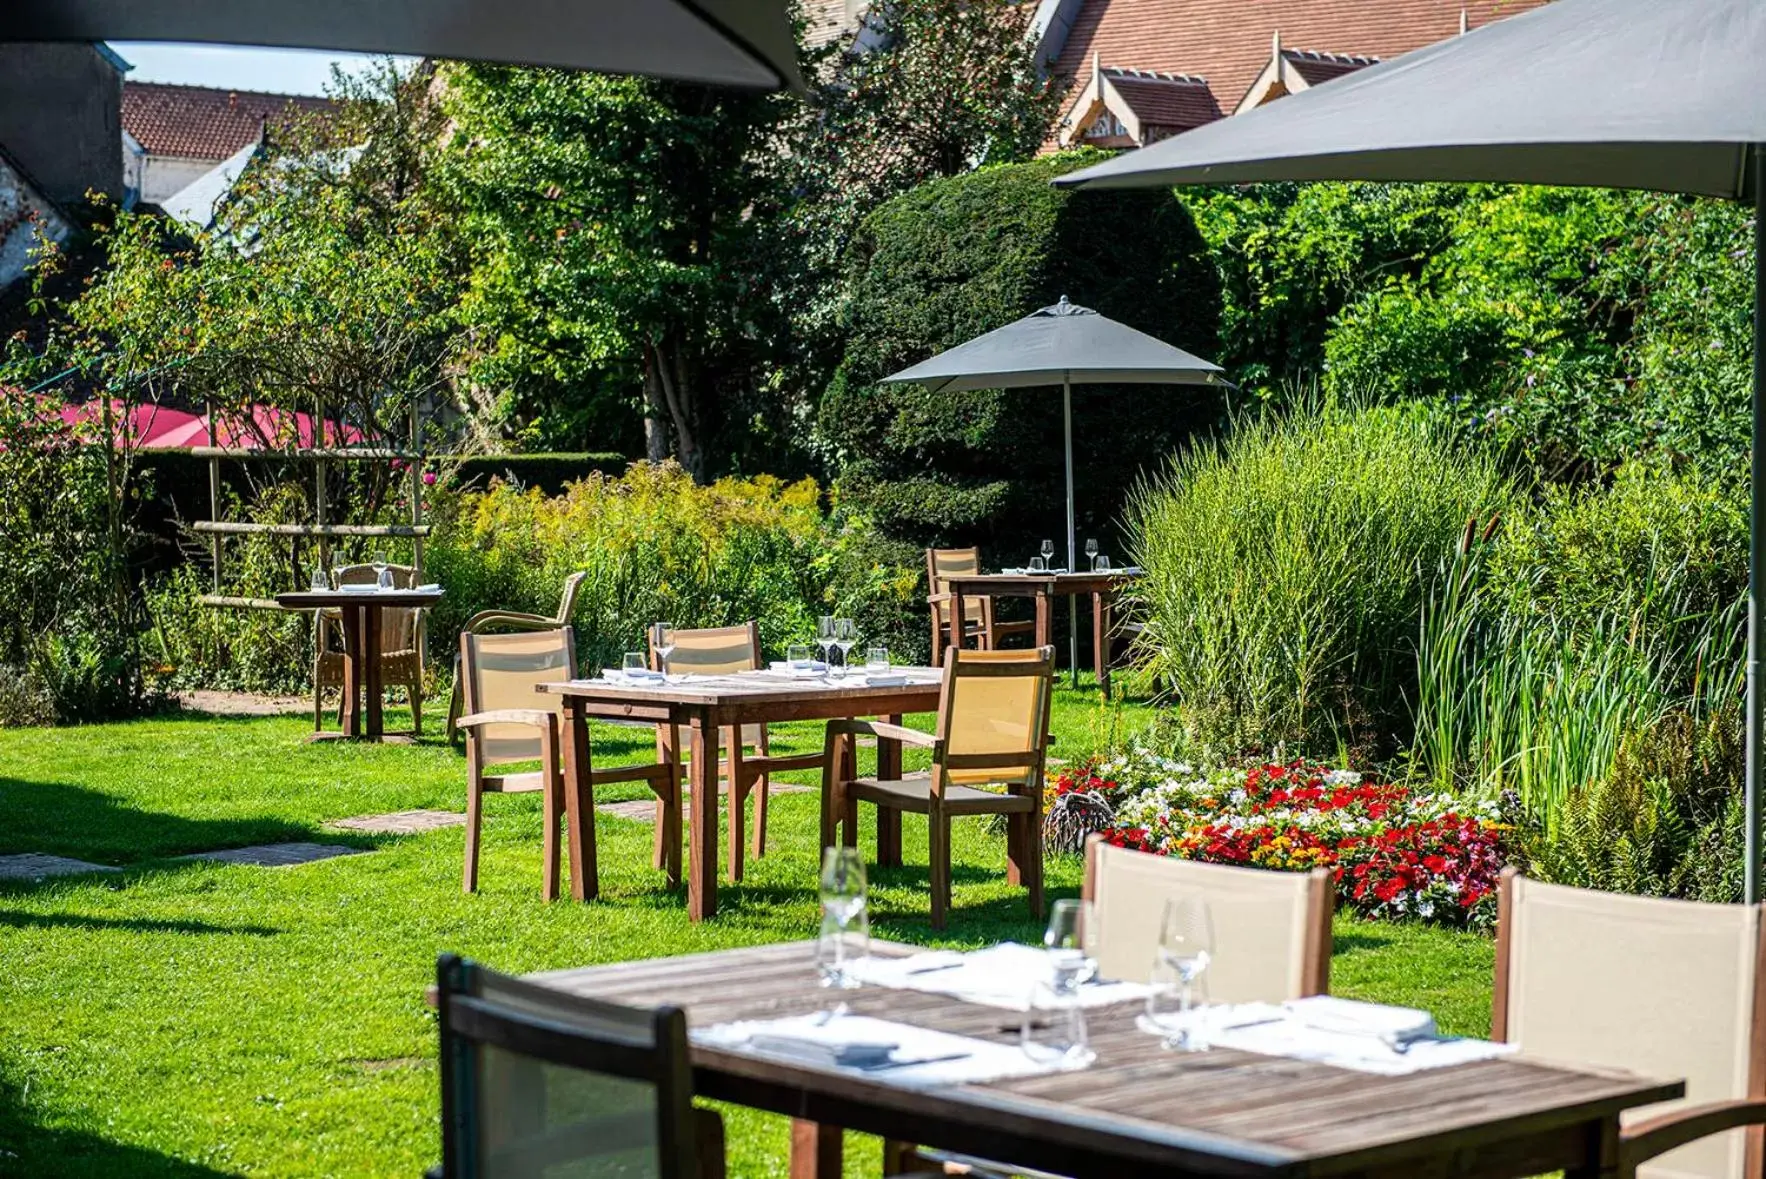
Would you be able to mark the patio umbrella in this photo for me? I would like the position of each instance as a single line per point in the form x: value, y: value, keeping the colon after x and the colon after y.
x: 1061, y: 345
x: 1608, y: 93
x: 724, y: 42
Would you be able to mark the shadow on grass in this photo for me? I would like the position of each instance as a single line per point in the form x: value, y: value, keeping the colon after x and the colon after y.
x: 27, y: 1148
x: 1350, y: 943
x: 54, y: 818
x: 12, y: 919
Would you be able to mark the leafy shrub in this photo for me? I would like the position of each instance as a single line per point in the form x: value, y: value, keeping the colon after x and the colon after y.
x: 1665, y: 822
x: 656, y: 546
x: 1285, y: 570
x: 67, y: 621
x: 958, y: 257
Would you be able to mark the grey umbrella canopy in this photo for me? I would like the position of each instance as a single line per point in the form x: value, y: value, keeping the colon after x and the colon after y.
x: 745, y: 43
x: 1656, y: 94
x: 1061, y: 345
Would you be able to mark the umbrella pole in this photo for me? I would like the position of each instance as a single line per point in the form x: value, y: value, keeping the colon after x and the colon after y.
x: 1072, y: 549
x: 1756, y: 716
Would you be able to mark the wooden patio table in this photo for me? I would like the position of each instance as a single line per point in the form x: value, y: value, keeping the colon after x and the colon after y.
x: 1139, y: 1110
x: 704, y: 705
x: 360, y: 612
x: 1043, y: 588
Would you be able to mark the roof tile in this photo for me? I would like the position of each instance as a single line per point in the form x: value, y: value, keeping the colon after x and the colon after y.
x: 198, y: 122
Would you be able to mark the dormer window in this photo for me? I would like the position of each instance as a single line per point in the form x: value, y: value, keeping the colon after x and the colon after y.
x: 1106, y: 126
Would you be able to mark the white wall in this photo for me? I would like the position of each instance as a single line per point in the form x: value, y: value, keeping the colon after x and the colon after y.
x: 23, y: 215
x: 161, y: 176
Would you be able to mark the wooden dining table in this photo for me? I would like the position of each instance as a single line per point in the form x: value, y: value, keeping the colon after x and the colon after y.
x: 1137, y: 1110
x: 704, y: 706
x: 1103, y: 587
x: 360, y: 612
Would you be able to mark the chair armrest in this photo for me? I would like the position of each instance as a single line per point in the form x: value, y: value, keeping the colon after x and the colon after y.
x: 937, y: 599
x: 1647, y: 1139
x: 508, y: 618
x: 539, y: 718
x: 887, y: 731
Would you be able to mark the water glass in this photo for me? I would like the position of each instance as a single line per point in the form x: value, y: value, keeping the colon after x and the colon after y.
x: 1100, y: 564
x: 1039, y: 564
x: 1054, y: 1028
x: 634, y: 662
x: 1186, y: 945
x: 877, y: 659
x: 846, y: 921
x: 320, y: 581
x: 798, y: 656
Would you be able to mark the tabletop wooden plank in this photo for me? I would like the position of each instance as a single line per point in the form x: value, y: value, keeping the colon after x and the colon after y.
x: 378, y: 598
x: 1219, y: 1112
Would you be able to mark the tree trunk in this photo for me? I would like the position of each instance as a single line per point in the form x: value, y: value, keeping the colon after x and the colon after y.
x: 656, y: 416
x: 668, y: 362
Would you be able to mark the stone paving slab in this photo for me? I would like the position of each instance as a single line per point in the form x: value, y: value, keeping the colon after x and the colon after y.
x: 34, y: 866
x: 401, y: 822
x: 275, y: 855
x: 643, y: 810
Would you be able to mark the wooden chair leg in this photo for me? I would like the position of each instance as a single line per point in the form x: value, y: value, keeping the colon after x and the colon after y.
x: 667, y: 741
x: 474, y: 816
x: 455, y: 703
x: 553, y: 808
x: 416, y: 691
x: 938, y: 865
x: 1033, y: 862
x: 670, y: 828
x: 1015, y: 849
x: 708, y: 1130
x: 738, y: 798
x: 833, y: 762
x: 762, y: 787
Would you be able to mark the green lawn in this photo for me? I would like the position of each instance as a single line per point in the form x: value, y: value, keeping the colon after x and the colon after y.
x: 181, y: 1018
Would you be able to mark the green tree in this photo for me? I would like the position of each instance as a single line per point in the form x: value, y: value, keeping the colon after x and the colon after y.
x: 613, y: 223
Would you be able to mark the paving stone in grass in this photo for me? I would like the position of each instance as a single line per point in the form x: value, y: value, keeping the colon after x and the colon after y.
x: 275, y: 855
x: 643, y: 810
x: 32, y: 866
x: 401, y: 822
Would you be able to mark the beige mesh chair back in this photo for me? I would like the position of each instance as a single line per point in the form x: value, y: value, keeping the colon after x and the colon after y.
x: 1272, y: 930
x: 539, y: 1083
x: 942, y: 564
x: 994, y: 718
x: 1657, y: 987
x: 494, y: 620
x: 500, y: 672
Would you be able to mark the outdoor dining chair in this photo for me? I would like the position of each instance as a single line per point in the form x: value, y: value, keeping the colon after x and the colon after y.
x: 536, y: 1082
x: 987, y: 759
x: 1272, y: 941
x: 491, y: 621
x: 1272, y: 930
x: 401, y: 645
x: 726, y: 650
x: 979, y: 622
x: 507, y: 721
x: 1662, y: 988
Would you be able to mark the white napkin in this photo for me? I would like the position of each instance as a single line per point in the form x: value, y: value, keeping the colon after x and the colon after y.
x: 999, y: 976
x: 359, y: 589
x: 1363, y: 1037
x: 850, y: 1044
x: 885, y: 679
x: 433, y: 587
x: 621, y: 676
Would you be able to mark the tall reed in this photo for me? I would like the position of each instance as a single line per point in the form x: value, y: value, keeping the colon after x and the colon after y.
x: 1284, y: 569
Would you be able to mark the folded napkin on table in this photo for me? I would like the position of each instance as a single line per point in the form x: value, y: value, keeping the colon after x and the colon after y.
x: 999, y: 976
x: 1364, y: 1037
x: 433, y: 587
x: 814, y: 667
x: 640, y: 676
x: 900, y: 1053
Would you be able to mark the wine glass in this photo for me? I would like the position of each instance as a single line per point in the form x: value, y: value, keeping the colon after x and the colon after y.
x: 1048, y: 553
x: 845, y: 914
x: 665, y: 644
x: 825, y: 637
x: 1091, y: 552
x: 845, y: 636
x: 1068, y: 939
x: 1186, y: 944
x: 382, y: 575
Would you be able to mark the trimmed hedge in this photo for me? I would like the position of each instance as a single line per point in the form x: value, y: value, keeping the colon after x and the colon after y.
x: 958, y: 257
x: 548, y: 472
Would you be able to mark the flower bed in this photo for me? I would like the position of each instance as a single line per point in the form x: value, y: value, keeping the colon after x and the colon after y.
x: 1395, y: 851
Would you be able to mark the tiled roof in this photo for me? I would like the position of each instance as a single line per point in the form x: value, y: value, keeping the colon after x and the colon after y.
x: 1175, y: 101
x: 1322, y: 67
x: 200, y: 123
x: 1227, y: 41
